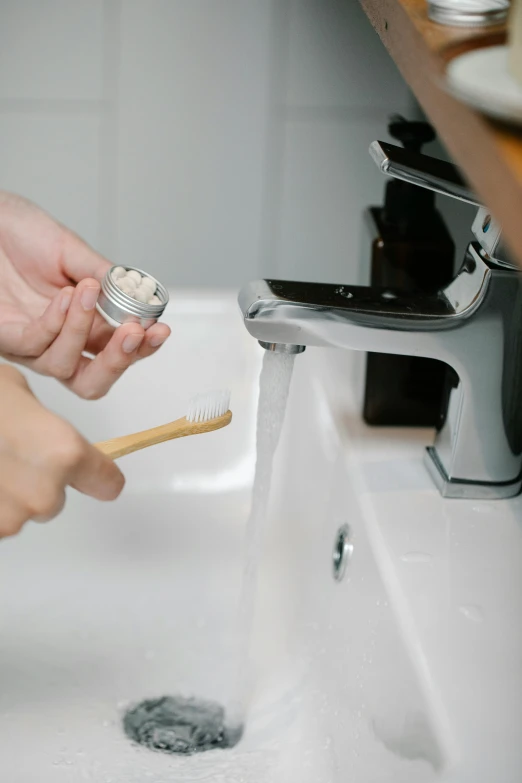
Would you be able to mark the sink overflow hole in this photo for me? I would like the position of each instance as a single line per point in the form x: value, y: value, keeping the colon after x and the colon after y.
x: 342, y: 552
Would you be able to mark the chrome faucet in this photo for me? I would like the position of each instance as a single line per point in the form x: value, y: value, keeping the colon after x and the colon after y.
x: 474, y: 325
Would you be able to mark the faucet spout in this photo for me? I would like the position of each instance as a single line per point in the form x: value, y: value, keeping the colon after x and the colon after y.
x: 474, y: 325
x: 286, y: 348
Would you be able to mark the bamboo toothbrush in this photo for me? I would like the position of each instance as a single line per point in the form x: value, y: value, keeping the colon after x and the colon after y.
x: 207, y: 412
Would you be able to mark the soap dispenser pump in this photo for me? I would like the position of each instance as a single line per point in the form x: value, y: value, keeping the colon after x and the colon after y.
x: 411, y: 252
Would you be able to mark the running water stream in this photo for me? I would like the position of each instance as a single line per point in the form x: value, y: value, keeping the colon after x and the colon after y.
x: 175, y: 724
x: 274, y: 386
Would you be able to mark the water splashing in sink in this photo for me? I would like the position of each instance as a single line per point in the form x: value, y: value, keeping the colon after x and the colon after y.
x: 175, y: 724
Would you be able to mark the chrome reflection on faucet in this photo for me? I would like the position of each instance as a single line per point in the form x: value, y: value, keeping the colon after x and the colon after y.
x: 474, y: 325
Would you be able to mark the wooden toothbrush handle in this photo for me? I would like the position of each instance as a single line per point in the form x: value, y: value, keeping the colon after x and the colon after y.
x: 126, y: 444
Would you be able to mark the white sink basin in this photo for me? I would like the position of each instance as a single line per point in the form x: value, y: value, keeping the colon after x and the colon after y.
x: 407, y: 671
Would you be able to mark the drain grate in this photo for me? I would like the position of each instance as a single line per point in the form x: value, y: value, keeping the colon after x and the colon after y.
x: 174, y: 724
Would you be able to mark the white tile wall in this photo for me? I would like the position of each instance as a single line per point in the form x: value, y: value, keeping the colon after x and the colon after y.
x: 51, y: 49
x: 209, y: 141
x: 193, y: 108
x: 340, y: 88
x: 109, y: 131
x: 53, y: 160
x: 335, y: 59
x: 329, y: 179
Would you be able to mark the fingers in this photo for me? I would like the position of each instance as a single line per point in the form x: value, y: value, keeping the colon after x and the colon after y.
x: 102, y: 333
x: 31, y: 340
x: 57, y: 340
x: 26, y: 492
x: 66, y: 458
x: 95, y: 474
x: 38, y: 493
x: 155, y: 336
x: 81, y: 261
x: 13, y: 514
x: 62, y: 358
x: 40, y: 455
x: 94, y: 377
x: 71, y: 326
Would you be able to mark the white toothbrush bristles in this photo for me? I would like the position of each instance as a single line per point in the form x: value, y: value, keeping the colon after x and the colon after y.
x: 207, y: 406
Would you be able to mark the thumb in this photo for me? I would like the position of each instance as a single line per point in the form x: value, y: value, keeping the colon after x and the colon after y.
x: 96, y: 475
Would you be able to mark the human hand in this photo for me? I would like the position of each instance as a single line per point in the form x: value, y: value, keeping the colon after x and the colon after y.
x: 40, y: 455
x: 49, y: 284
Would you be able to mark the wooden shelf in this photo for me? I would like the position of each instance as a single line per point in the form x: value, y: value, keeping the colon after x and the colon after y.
x: 489, y: 154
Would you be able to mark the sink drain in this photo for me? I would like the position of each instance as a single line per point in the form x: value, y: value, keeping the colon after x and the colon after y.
x: 174, y: 724
x: 342, y: 552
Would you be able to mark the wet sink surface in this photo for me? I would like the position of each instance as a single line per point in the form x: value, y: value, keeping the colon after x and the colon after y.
x: 111, y: 604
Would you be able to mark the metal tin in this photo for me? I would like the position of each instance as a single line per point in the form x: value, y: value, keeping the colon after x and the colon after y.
x: 117, y: 307
x: 468, y: 13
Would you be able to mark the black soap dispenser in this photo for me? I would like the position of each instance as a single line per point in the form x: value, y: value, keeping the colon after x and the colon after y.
x: 411, y: 251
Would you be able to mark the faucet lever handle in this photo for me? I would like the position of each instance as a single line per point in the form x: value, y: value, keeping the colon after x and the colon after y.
x: 422, y: 170
x: 442, y: 177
